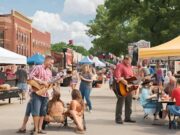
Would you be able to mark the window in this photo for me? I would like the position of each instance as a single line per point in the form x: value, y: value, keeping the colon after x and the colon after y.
x: 26, y: 39
x: 26, y: 52
x: 1, y: 38
x: 17, y: 49
x: 22, y: 37
x: 17, y: 35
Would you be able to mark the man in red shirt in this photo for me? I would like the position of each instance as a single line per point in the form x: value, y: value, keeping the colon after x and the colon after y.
x: 175, y: 109
x: 123, y: 70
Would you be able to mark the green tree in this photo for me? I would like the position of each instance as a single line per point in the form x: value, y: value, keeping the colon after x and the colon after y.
x: 120, y: 22
x: 58, y: 47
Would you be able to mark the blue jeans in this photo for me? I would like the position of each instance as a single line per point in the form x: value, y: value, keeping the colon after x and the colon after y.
x: 174, y: 109
x: 38, y: 105
x: 22, y: 86
x: 85, y: 92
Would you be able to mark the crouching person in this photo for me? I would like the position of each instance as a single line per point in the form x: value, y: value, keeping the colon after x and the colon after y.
x: 55, y: 111
x: 76, y: 110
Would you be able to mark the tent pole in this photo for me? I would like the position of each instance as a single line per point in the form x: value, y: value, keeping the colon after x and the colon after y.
x: 168, y: 63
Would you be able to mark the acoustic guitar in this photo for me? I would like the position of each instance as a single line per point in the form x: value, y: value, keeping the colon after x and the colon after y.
x: 41, y: 89
x: 124, y: 90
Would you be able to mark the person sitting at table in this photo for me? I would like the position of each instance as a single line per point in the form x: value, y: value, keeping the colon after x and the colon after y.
x: 169, y: 83
x: 76, y: 110
x: 149, y: 105
x: 175, y: 109
x: 56, y: 110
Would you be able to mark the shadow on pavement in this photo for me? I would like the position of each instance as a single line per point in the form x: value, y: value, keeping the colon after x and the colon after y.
x: 102, y: 97
x: 100, y: 122
x: 59, y: 127
x: 155, y: 130
x: 107, y: 110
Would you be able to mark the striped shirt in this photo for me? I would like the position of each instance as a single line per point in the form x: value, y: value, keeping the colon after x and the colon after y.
x: 39, y: 72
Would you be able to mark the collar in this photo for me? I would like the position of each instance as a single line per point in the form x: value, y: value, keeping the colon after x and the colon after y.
x: 44, y: 66
x: 125, y: 64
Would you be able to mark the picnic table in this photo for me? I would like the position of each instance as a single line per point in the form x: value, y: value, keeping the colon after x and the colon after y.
x: 8, y: 94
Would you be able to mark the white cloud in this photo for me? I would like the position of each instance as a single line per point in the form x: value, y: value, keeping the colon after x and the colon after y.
x: 63, y: 31
x: 60, y: 30
x: 81, y: 7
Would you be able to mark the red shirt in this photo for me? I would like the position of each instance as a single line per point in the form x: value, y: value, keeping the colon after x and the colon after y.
x: 123, y: 70
x: 176, y: 95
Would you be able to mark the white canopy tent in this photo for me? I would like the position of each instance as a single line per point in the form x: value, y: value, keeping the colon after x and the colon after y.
x: 9, y: 57
x: 98, y: 63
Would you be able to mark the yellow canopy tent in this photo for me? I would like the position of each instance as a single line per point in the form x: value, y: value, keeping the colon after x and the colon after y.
x: 170, y: 48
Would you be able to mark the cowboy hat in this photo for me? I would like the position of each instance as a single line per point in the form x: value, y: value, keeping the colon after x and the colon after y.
x: 147, y: 81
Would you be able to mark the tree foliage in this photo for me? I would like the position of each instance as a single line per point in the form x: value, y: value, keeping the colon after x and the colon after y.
x: 119, y: 22
x: 58, y: 47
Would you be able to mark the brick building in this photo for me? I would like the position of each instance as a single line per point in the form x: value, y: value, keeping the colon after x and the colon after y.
x: 18, y: 35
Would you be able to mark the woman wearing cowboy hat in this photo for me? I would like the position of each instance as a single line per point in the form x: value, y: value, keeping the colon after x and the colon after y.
x: 146, y: 99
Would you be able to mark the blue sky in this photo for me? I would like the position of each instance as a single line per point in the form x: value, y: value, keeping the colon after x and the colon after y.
x: 29, y: 7
x: 67, y: 19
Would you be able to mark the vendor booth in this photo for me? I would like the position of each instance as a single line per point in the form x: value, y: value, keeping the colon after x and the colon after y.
x: 6, y: 90
x: 98, y: 63
x: 170, y: 48
x: 86, y: 60
x: 36, y: 59
x: 9, y: 57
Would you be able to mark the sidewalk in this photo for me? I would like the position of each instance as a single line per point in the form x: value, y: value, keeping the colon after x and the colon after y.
x: 99, y: 122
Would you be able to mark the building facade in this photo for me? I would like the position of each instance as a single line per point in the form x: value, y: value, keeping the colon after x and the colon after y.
x: 18, y: 35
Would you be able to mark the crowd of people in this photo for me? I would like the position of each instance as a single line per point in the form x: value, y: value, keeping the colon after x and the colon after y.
x: 153, y: 89
x: 141, y: 82
x: 48, y: 106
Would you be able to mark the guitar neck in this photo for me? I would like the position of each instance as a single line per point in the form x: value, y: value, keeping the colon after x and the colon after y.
x: 54, y: 80
x: 130, y: 79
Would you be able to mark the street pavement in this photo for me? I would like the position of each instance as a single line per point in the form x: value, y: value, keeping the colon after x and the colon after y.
x: 99, y: 122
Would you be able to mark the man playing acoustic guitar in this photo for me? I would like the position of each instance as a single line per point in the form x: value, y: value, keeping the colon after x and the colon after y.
x: 42, y: 74
x: 121, y: 73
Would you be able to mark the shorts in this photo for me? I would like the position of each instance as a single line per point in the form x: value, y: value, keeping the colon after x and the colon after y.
x: 74, y: 81
x: 174, y: 109
x: 39, y: 105
x: 22, y: 86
